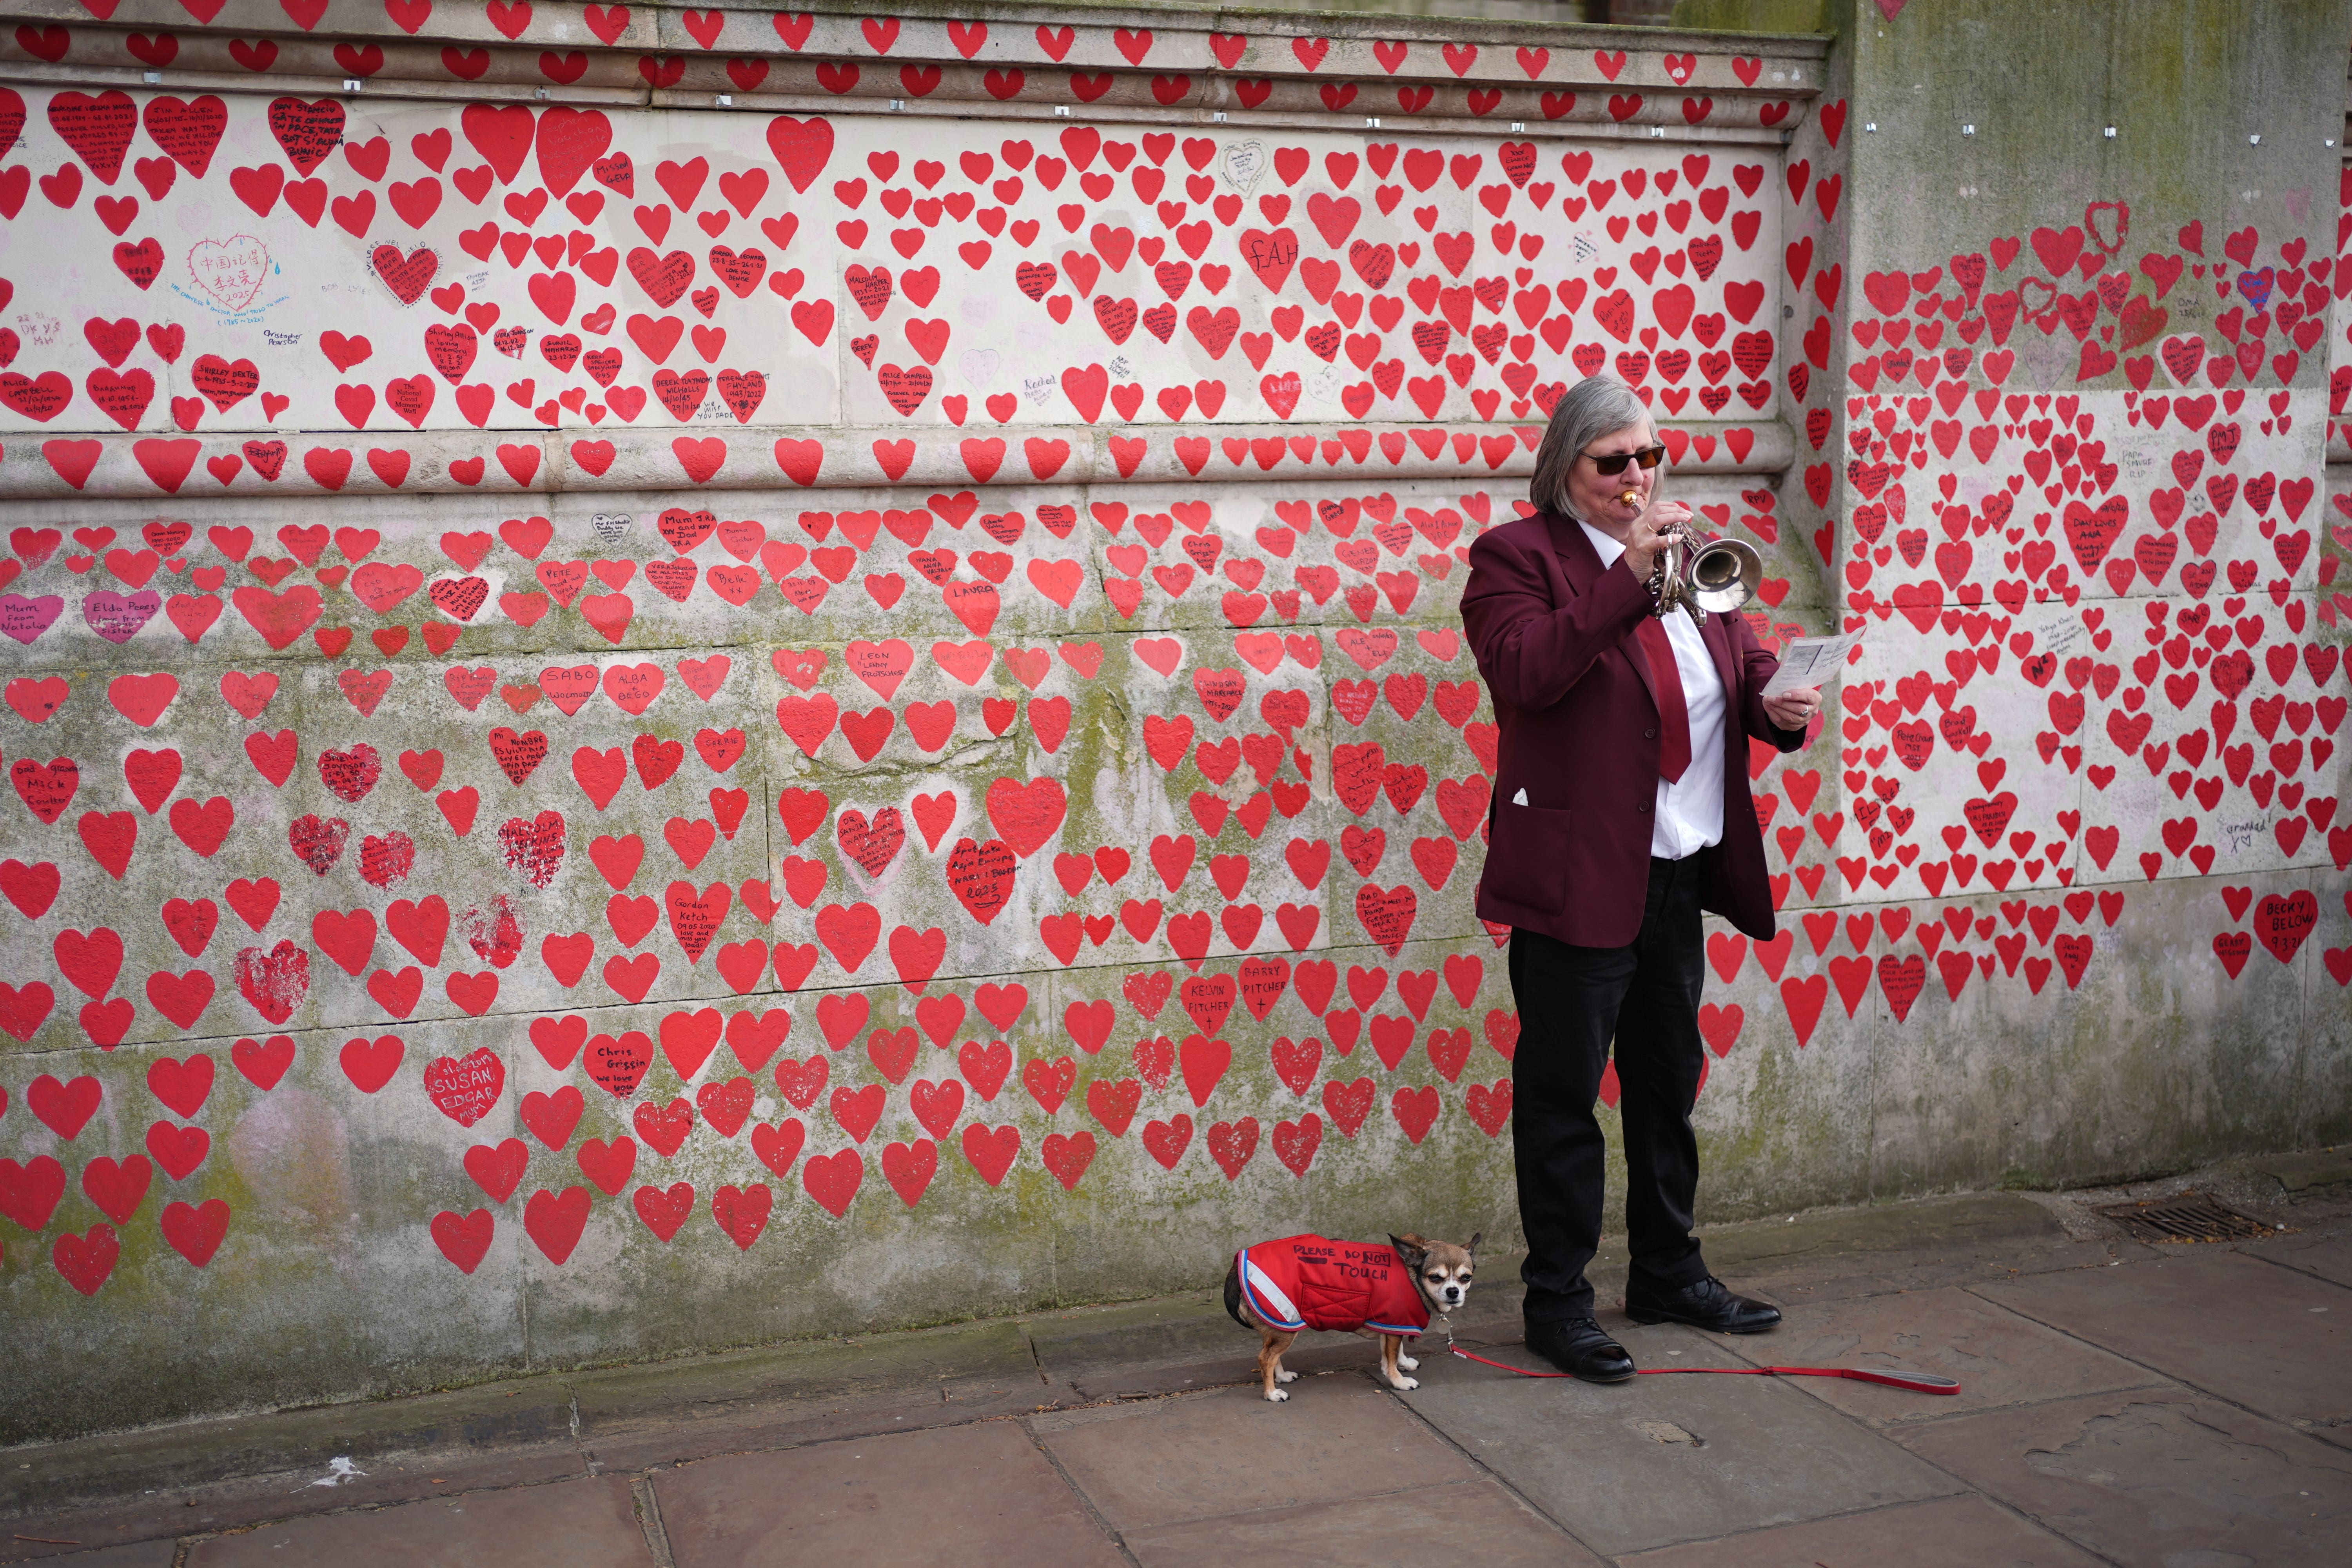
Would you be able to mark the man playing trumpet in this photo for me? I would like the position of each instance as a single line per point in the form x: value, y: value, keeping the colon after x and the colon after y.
x: 1620, y: 811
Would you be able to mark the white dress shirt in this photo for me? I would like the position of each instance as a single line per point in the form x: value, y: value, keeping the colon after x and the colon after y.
x: 1689, y: 813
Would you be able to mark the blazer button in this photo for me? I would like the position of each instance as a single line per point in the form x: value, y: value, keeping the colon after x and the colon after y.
x: 1643, y: 809
x: 1649, y: 734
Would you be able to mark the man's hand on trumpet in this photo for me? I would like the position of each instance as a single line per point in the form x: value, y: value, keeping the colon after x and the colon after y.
x: 1651, y: 529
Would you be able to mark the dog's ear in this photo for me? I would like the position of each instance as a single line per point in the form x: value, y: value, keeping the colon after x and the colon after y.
x: 1473, y: 1248
x: 1412, y: 1250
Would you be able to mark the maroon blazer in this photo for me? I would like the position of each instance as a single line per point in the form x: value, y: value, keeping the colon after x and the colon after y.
x: 1554, y: 636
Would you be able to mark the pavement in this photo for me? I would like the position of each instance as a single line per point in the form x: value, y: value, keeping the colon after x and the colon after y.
x: 2121, y: 1402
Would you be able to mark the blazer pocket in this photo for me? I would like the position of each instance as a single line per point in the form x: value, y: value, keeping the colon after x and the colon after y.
x: 1527, y: 857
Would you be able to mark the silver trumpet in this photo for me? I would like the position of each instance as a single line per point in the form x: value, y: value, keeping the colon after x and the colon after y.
x: 1719, y: 575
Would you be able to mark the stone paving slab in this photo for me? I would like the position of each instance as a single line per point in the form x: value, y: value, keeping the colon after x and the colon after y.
x: 146, y: 1554
x: 1336, y: 1438
x: 590, y: 1524
x: 1661, y: 1459
x: 496, y: 1416
x: 2327, y: 1257
x: 2155, y: 1478
x: 241, y: 1501
x: 1948, y: 1532
x: 980, y: 1495
x: 1997, y: 1356
x: 1474, y: 1522
x: 2250, y: 1332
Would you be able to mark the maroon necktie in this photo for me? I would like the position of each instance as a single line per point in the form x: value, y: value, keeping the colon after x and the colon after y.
x: 1674, y: 714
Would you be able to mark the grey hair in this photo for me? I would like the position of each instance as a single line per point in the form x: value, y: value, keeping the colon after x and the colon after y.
x: 1596, y: 407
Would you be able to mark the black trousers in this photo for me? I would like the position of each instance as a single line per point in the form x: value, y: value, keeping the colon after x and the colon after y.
x: 1573, y: 1002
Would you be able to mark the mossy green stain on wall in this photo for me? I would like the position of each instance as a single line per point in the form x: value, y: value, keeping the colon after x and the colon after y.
x: 2186, y: 87
x: 1756, y: 15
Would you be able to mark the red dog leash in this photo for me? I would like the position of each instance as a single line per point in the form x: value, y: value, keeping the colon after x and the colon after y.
x: 1918, y: 1382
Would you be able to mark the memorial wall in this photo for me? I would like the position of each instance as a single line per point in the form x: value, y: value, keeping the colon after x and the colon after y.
x: 674, y: 678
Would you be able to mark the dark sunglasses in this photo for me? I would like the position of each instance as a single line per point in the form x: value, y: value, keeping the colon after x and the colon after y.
x: 1614, y: 463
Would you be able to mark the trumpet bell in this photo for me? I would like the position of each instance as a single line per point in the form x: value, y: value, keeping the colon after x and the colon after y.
x: 1723, y: 575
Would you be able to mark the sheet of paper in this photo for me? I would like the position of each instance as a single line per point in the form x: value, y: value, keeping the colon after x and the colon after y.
x: 1811, y: 661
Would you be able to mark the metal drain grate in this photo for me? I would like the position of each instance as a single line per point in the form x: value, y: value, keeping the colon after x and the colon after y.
x: 2191, y: 1216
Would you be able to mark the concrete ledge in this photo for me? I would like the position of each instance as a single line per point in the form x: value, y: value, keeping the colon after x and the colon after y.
x: 533, y: 464
x: 1987, y: 1219
x: 2303, y: 1173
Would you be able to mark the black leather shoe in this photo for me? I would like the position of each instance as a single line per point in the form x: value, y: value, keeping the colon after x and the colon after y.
x: 1577, y: 1346
x: 1706, y: 1305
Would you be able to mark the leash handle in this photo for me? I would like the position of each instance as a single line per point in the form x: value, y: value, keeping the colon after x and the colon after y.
x: 1916, y: 1382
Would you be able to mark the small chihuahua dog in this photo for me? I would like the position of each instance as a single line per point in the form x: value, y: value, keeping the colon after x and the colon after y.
x: 1283, y: 1288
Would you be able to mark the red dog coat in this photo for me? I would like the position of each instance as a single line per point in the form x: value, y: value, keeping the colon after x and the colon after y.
x: 1312, y: 1282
